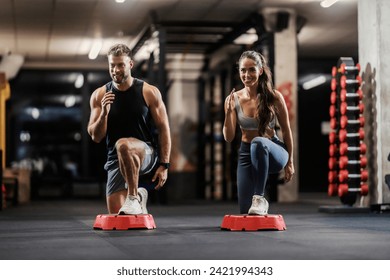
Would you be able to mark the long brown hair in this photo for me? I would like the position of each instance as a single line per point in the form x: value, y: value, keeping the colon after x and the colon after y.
x: 265, y: 107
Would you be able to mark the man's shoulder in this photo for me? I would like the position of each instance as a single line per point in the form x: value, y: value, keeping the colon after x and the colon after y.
x: 99, y: 92
x: 150, y: 89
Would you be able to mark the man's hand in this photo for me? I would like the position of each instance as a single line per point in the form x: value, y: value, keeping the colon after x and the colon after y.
x: 107, y: 100
x: 162, y: 175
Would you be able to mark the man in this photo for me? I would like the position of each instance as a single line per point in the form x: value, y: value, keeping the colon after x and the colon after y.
x: 125, y: 111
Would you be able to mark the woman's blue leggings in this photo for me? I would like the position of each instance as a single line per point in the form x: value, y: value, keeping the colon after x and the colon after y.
x: 256, y: 160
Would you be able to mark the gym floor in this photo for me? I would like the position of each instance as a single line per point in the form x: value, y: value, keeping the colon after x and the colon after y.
x: 63, y: 230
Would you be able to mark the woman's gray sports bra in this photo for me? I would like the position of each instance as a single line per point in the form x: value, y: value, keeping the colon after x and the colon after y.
x: 245, y: 122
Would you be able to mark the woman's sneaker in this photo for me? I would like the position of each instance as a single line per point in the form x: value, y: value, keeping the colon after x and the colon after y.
x: 259, y: 206
x: 143, y: 198
x: 131, y: 206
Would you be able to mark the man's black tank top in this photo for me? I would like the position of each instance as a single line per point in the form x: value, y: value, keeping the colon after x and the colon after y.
x: 129, y: 116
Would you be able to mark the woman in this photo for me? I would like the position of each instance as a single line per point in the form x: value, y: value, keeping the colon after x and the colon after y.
x: 256, y: 108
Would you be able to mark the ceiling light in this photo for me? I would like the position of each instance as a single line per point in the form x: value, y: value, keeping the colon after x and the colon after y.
x: 120, y: 1
x: 314, y: 82
x: 35, y: 113
x: 79, y: 81
x: 25, y: 136
x: 95, y: 50
x: 247, y: 38
x: 70, y: 101
x: 11, y: 64
x: 327, y: 3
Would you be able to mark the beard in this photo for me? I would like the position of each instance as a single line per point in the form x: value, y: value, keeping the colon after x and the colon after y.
x: 120, y: 79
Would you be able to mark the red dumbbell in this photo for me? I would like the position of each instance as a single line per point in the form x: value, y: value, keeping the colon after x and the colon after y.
x: 343, y: 189
x: 333, y: 84
x: 333, y: 150
x: 332, y: 111
x: 333, y: 97
x: 343, y: 134
x: 344, y: 94
x: 344, y: 81
x: 332, y: 177
x: 344, y: 121
x: 332, y: 137
x: 332, y: 189
x: 333, y: 123
x: 344, y: 148
x: 344, y: 176
x: 332, y: 163
x: 344, y: 108
x: 334, y: 71
x: 344, y: 161
x: 344, y: 68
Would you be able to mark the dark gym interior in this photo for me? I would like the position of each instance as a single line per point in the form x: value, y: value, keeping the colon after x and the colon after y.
x: 52, y: 176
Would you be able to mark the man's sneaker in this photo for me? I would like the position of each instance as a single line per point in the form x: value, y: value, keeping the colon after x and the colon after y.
x: 259, y: 206
x: 143, y: 198
x: 131, y: 206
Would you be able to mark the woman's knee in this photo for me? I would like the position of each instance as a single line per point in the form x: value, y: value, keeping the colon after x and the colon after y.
x: 260, y: 143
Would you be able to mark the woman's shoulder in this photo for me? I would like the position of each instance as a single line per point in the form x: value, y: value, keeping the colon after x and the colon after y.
x: 279, y: 96
x: 237, y: 93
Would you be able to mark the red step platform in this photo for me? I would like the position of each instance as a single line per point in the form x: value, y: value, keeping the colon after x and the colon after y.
x: 124, y: 222
x: 253, y: 222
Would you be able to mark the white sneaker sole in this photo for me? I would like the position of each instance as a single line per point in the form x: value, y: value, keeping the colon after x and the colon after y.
x: 258, y: 213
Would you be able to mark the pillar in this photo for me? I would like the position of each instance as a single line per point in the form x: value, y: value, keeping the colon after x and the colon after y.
x: 374, y: 52
x: 5, y: 94
x: 286, y: 76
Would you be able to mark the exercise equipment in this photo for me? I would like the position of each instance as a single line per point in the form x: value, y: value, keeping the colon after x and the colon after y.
x: 127, y: 222
x: 344, y: 176
x: 345, y: 69
x: 344, y: 161
x: 345, y: 108
x: 124, y: 222
x: 344, y: 134
x: 343, y: 189
x: 344, y: 81
x: 253, y: 222
x: 344, y: 122
x: 343, y: 149
x: 346, y: 148
x: 344, y: 95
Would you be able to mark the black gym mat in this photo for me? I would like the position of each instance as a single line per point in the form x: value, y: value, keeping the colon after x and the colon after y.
x: 62, y: 230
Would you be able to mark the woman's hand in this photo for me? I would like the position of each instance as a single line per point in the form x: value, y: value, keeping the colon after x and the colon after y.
x: 289, y: 171
x: 230, y: 104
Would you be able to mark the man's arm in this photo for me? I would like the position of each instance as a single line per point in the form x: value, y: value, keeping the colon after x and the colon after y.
x: 159, y: 114
x: 100, y: 106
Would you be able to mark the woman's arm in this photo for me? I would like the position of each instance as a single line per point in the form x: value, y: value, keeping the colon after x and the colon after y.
x: 284, y: 122
x: 229, y: 125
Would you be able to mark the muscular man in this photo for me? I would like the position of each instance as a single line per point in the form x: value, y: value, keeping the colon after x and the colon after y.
x: 126, y: 112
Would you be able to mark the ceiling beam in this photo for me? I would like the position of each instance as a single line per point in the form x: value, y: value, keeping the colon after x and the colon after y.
x: 255, y: 20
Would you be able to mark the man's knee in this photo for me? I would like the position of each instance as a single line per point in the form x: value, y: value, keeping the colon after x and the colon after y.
x: 128, y: 145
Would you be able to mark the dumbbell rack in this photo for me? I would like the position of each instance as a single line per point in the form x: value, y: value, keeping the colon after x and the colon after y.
x: 347, y: 162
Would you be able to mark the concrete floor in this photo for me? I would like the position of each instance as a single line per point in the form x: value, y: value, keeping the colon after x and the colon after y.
x: 63, y: 230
